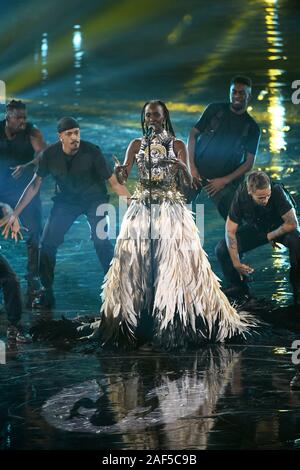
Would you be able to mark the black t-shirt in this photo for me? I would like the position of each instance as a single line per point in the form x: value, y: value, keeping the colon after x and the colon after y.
x: 79, y: 178
x: 16, y: 151
x: 265, y: 218
x: 235, y: 135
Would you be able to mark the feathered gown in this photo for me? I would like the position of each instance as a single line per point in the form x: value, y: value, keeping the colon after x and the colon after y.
x: 162, y: 291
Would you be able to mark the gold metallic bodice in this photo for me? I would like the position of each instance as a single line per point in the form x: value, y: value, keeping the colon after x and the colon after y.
x: 158, y: 172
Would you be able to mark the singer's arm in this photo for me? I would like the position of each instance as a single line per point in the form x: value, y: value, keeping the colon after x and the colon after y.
x: 131, y: 151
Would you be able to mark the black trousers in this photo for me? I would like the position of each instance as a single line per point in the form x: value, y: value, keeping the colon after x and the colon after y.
x: 11, y: 292
x: 62, y: 216
x: 248, y: 238
x: 222, y: 199
x: 31, y: 219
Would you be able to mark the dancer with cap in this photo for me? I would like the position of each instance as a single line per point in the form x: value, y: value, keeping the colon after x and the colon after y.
x: 80, y: 172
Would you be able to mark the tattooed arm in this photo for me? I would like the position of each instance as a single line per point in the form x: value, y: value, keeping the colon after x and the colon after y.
x: 231, y: 241
x: 290, y: 223
x: 232, y: 245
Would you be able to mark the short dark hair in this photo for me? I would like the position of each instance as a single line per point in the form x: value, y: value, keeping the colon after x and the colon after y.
x: 241, y: 79
x: 14, y: 104
x: 257, y: 180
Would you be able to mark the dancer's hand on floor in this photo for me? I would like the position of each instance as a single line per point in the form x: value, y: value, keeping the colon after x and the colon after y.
x: 244, y: 270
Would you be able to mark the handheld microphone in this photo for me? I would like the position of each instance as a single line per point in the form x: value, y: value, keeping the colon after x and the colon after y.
x: 150, y: 131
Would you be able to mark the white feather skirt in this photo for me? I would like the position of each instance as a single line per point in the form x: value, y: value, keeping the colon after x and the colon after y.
x: 170, y: 287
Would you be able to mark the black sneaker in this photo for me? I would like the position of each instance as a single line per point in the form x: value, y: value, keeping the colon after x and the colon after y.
x: 45, y: 299
x: 16, y: 335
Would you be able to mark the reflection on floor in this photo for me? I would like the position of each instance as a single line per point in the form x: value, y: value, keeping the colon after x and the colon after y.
x: 218, y: 397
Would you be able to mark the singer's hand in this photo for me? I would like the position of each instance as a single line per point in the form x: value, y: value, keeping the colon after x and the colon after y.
x: 182, y: 166
x: 121, y: 171
x: 174, y: 161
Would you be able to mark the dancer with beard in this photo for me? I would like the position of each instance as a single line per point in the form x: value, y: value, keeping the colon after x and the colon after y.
x: 80, y: 171
x: 222, y: 146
